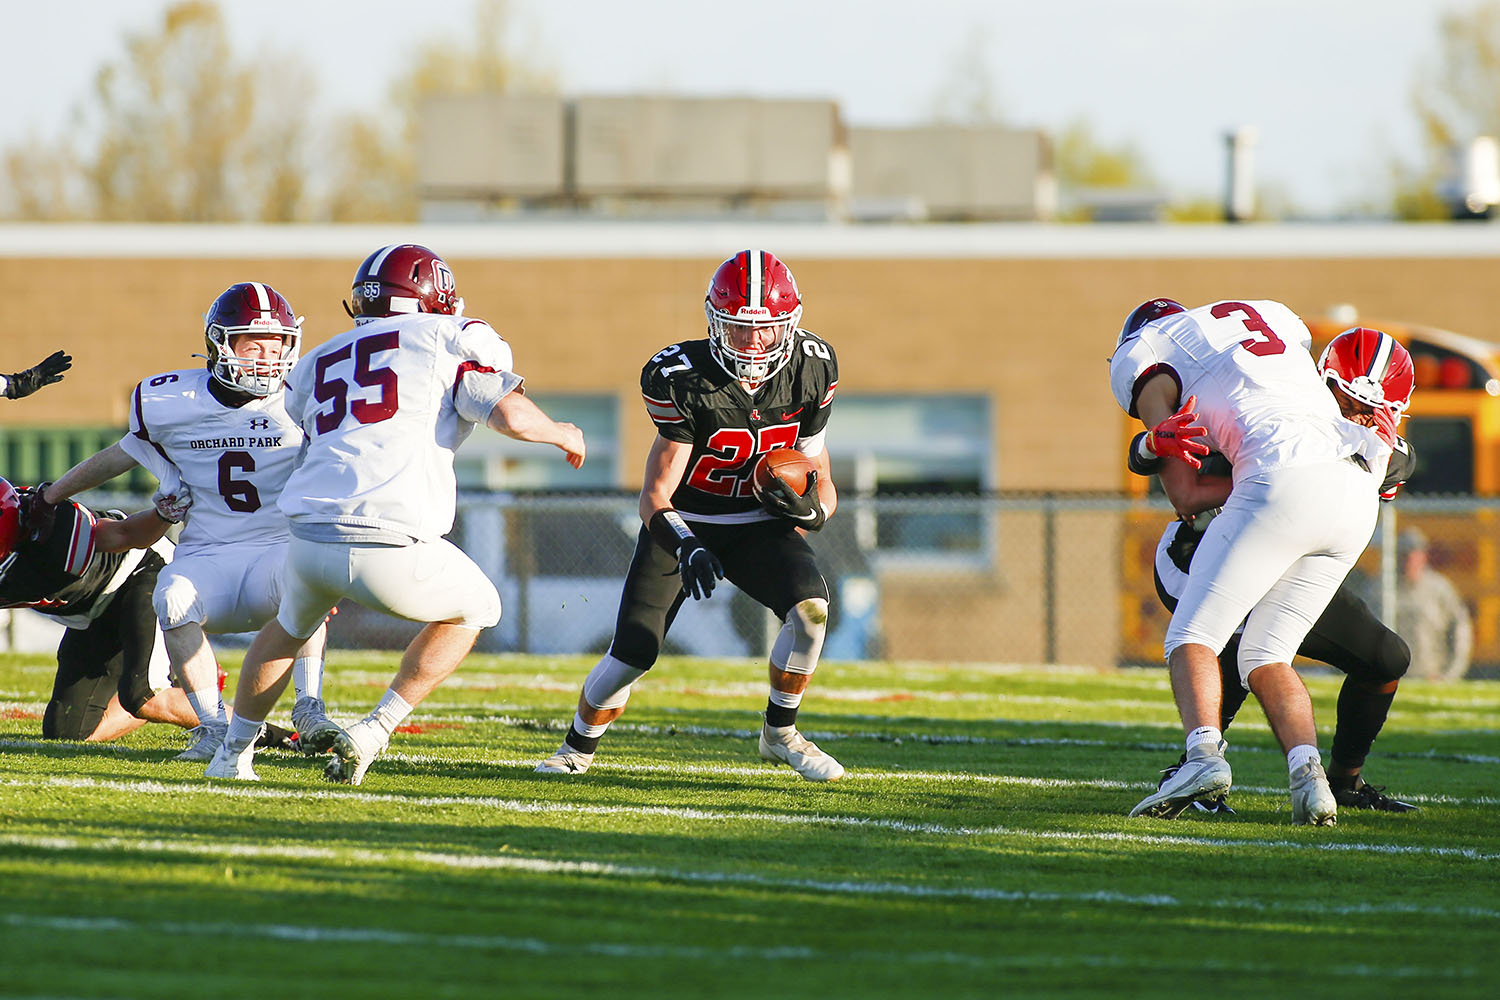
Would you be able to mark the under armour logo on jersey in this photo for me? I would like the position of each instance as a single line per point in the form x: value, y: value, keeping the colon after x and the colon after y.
x: 260, y: 423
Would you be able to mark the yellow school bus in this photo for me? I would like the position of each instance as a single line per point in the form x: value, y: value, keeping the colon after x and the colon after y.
x: 1454, y: 426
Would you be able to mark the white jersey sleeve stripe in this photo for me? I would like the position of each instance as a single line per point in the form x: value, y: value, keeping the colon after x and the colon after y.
x: 828, y: 396
x: 81, y: 544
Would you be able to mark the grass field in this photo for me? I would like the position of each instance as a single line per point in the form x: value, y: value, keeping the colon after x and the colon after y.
x: 977, y: 847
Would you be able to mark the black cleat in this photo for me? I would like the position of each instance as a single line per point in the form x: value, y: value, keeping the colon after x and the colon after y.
x: 1217, y: 804
x: 1372, y: 797
x: 277, y: 738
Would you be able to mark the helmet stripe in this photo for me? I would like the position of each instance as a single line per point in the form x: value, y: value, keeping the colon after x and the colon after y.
x: 1382, y: 359
x: 263, y: 300
x: 754, y: 292
x: 380, y: 258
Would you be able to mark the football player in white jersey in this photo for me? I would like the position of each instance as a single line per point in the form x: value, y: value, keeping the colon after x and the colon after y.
x: 384, y: 406
x: 223, y: 430
x: 1297, y: 513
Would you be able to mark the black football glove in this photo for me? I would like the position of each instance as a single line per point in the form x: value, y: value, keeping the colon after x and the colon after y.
x: 699, y: 568
x: 805, y: 510
x: 37, y: 515
x: 48, y: 371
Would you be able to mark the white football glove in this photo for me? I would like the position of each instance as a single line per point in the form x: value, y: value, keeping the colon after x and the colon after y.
x: 173, y: 502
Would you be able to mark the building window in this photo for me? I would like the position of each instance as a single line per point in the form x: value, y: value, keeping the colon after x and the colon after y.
x: 490, y: 461
x: 915, y: 466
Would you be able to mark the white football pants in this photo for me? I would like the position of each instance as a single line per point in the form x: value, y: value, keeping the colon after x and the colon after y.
x: 1282, y: 546
x: 421, y: 582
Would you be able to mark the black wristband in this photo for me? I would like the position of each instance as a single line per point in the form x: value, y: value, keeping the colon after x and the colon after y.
x: 1140, y: 465
x: 669, y: 529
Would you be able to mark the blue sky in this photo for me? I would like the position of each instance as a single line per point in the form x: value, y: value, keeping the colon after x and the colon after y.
x: 1327, y: 83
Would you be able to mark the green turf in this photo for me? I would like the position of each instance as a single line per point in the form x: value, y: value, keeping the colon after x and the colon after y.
x: 977, y: 847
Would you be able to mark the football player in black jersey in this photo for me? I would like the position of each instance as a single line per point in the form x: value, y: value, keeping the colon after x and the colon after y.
x: 757, y: 383
x: 94, y: 573
x: 1347, y: 635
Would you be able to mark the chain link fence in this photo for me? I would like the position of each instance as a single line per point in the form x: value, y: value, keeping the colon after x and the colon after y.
x: 976, y: 578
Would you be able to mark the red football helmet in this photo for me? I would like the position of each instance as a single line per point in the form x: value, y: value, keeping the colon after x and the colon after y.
x: 1145, y: 313
x: 10, y: 525
x: 403, y: 278
x: 1371, y: 367
x: 752, y: 291
x: 251, y: 307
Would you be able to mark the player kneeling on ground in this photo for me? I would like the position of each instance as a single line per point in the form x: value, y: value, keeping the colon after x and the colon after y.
x: 756, y: 384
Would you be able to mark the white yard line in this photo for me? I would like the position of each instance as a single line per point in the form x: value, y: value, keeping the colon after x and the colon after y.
x: 524, y: 807
x: 636, y: 950
x: 222, y: 850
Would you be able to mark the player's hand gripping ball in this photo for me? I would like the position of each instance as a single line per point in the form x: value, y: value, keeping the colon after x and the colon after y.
x: 786, y: 464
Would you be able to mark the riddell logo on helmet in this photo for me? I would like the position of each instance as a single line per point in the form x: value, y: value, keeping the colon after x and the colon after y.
x: 269, y: 322
x: 754, y: 312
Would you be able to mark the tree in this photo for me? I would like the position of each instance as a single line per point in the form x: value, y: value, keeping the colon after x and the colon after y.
x: 182, y: 132
x: 968, y: 94
x: 1456, y: 99
x: 374, y: 163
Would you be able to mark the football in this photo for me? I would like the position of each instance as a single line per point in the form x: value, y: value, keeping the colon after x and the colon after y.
x: 786, y: 464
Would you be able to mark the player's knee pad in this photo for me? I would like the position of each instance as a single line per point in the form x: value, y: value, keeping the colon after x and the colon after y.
x: 1392, y: 657
x: 608, y: 684
x: 800, y: 641
x: 176, y: 602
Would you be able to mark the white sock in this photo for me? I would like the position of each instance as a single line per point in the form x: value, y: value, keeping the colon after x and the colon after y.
x: 242, y: 734
x: 1204, y: 734
x: 590, y: 730
x: 1302, y: 753
x: 307, y: 676
x: 786, y: 699
x: 209, y: 706
x: 391, y: 712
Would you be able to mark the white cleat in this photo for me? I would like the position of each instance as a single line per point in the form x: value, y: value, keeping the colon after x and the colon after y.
x: 1205, y: 775
x: 316, y: 732
x: 231, y: 766
x: 1313, y: 803
x: 204, y: 741
x: 566, y: 761
x: 787, y: 746
x: 355, y: 749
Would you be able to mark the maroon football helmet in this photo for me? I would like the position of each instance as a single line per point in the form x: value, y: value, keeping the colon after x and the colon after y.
x: 1371, y: 367
x: 1146, y: 312
x: 752, y: 290
x: 10, y: 525
x: 251, y: 307
x: 403, y: 278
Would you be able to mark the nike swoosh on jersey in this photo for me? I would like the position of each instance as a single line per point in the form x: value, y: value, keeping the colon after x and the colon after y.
x: 788, y: 416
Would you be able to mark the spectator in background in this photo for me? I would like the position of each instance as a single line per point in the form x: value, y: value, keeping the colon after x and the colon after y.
x: 1430, y: 615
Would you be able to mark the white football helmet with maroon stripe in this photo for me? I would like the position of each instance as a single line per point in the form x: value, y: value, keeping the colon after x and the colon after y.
x: 251, y: 307
x: 750, y: 293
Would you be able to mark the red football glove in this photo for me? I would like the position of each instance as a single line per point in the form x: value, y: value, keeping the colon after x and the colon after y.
x: 1385, y: 424
x: 1177, y: 436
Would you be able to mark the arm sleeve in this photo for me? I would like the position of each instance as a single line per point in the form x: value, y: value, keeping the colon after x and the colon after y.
x: 825, y: 385
x: 1132, y: 366
x: 673, y: 421
x: 139, y: 445
x: 1403, y: 466
x: 483, y: 377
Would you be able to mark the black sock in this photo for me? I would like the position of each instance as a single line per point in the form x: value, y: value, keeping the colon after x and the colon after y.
x: 580, y: 742
x: 779, y: 716
x: 1362, y: 710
